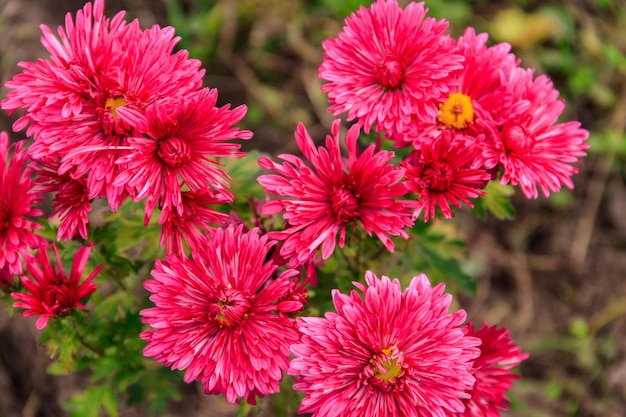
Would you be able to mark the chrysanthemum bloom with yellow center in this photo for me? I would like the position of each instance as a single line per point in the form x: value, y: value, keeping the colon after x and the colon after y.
x: 51, y: 293
x: 385, y: 353
x: 320, y: 202
x: 481, y: 100
x: 18, y: 198
x: 97, y: 65
x: 222, y: 316
x: 389, y: 67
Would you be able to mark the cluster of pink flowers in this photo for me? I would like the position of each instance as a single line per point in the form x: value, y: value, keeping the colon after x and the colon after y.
x: 115, y: 113
x: 393, y: 353
x: 467, y: 112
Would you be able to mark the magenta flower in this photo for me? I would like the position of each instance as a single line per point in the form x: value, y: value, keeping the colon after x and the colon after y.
x: 535, y: 150
x: 180, y: 139
x: 323, y: 201
x: 71, y: 198
x: 220, y: 315
x: 96, y: 67
x: 385, y: 353
x: 499, y: 355
x: 197, y: 216
x: 51, y: 293
x: 441, y: 174
x: 389, y: 67
x: 18, y: 195
x: 481, y: 101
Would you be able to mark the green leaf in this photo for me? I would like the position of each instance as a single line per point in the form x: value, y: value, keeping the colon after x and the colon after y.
x: 90, y: 402
x: 497, y: 201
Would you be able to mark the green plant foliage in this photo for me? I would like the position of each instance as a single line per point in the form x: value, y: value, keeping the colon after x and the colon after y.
x: 497, y: 201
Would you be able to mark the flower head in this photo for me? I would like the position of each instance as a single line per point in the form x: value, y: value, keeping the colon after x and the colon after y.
x: 385, y: 353
x: 482, y: 98
x: 51, y: 293
x: 18, y: 195
x: 441, y: 173
x: 197, y: 216
x: 180, y: 139
x: 98, y: 66
x: 221, y: 315
x: 71, y: 198
x: 389, y: 66
x: 322, y: 201
x: 492, y: 369
x: 534, y: 150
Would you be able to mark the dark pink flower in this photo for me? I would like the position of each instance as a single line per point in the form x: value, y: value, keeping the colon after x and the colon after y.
x: 197, y: 216
x: 385, y: 353
x: 499, y: 355
x: 533, y: 148
x: 441, y: 173
x: 96, y: 66
x: 482, y: 99
x: 389, y: 67
x: 181, y: 137
x: 221, y: 315
x: 71, y: 198
x: 52, y: 293
x: 18, y: 196
x: 322, y: 201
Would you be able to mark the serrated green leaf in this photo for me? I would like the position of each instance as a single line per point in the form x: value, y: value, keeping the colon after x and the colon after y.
x: 497, y: 201
x: 90, y: 402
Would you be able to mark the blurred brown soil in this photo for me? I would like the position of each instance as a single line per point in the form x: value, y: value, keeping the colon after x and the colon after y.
x: 540, y: 274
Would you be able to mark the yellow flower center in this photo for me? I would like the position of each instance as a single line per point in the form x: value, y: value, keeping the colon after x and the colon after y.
x: 456, y: 112
x: 386, y: 367
x: 113, y: 103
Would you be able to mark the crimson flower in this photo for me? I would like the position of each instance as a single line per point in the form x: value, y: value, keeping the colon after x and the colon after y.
x: 71, y: 198
x: 534, y: 150
x: 197, y: 216
x: 96, y: 66
x: 385, y: 353
x: 221, y: 315
x: 51, y: 293
x: 482, y: 99
x: 321, y: 202
x: 440, y: 172
x: 18, y: 195
x: 499, y: 355
x: 389, y: 67
x: 181, y: 137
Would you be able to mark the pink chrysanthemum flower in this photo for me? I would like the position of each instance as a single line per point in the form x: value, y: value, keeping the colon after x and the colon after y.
x: 50, y: 292
x: 96, y: 67
x: 322, y: 202
x: 181, y: 139
x: 18, y: 196
x: 197, y: 216
x: 220, y: 316
x: 385, y: 353
x: 534, y: 150
x: 71, y: 198
x: 440, y: 172
x: 482, y: 100
x: 499, y: 355
x: 389, y: 67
